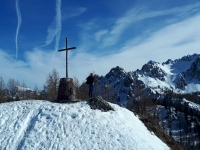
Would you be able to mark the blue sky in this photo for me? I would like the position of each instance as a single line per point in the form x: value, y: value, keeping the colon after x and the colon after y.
x: 106, y: 34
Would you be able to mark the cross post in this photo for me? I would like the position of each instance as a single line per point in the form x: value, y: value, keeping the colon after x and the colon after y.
x: 66, y: 49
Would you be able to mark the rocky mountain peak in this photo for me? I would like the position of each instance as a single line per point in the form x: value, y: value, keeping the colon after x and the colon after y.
x: 151, y: 62
x: 169, y: 61
x: 189, y: 57
x: 116, y: 72
x: 194, y: 70
x: 153, y: 70
x: 149, y: 66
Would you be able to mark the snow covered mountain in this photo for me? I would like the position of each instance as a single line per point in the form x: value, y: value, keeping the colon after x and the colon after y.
x: 180, y: 75
x: 169, y: 83
x: 45, y: 125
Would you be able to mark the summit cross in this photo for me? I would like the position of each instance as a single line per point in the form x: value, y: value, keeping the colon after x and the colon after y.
x: 66, y: 49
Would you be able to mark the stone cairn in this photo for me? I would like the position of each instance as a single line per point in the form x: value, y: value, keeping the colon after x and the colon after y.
x: 66, y: 90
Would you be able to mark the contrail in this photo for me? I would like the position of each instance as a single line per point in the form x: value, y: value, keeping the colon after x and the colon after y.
x: 18, y: 26
x: 54, y: 29
x: 58, y: 23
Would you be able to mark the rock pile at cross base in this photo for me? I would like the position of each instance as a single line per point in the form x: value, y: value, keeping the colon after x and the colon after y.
x: 99, y: 103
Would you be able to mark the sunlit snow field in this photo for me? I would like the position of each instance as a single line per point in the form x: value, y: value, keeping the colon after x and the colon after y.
x: 33, y: 124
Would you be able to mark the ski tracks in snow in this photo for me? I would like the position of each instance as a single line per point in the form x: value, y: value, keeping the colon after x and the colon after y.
x: 18, y: 125
x: 26, y: 127
x: 21, y: 127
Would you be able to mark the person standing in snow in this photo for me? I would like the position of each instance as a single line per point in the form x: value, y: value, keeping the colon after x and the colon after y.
x: 90, y: 82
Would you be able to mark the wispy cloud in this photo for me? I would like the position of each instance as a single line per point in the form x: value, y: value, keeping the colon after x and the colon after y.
x: 98, y: 35
x: 72, y: 12
x: 59, y: 24
x: 138, y: 14
x: 93, y: 34
x: 173, y: 41
x: 87, y: 35
x: 55, y: 28
x: 31, y: 68
x: 19, y: 18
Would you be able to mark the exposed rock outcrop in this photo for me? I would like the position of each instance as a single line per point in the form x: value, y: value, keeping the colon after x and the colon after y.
x: 153, y: 70
x: 99, y: 103
x: 181, y: 82
x: 194, y: 70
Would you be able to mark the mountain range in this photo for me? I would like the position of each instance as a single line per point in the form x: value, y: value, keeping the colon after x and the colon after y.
x: 175, y: 87
x: 179, y: 75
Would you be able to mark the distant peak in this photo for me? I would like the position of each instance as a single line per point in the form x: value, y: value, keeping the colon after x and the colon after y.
x: 116, y: 71
x: 117, y: 68
x: 168, y: 61
x: 184, y: 58
x: 190, y: 57
x: 151, y: 62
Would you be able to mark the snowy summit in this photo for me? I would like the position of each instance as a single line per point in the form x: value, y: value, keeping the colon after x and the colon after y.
x: 38, y: 124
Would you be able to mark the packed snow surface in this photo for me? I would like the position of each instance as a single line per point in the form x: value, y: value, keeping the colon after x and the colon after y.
x: 45, y: 125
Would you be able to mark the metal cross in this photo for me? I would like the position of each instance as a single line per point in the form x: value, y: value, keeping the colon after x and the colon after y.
x: 66, y: 49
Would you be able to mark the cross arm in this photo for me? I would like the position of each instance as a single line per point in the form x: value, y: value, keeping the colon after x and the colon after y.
x: 71, y: 48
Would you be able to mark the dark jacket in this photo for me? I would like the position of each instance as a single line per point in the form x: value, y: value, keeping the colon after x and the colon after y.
x: 90, y: 80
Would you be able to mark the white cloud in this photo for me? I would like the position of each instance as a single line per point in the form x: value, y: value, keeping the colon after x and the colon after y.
x: 51, y: 32
x: 55, y: 28
x: 137, y: 14
x: 87, y: 36
x: 98, y: 35
x: 34, y: 69
x: 19, y: 19
x: 173, y: 41
x: 58, y: 23
x: 72, y: 12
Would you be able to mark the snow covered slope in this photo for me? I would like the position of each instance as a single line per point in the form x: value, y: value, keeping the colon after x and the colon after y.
x: 45, y: 125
